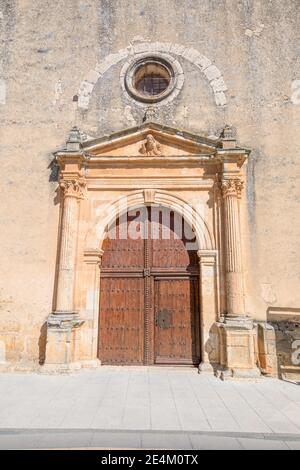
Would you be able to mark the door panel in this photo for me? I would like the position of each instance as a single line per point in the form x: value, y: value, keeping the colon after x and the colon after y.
x: 121, y: 252
x: 176, y: 322
x: 121, y: 326
x: 170, y: 244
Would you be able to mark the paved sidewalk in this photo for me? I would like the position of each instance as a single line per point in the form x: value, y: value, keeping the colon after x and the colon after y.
x: 148, y: 399
x: 158, y: 440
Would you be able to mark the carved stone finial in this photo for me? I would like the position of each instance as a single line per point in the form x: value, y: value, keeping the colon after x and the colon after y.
x: 228, y: 137
x: 73, y: 187
x: 74, y: 135
x: 150, y: 147
x: 227, y: 132
x: 74, y: 139
x: 150, y: 114
x: 232, y: 187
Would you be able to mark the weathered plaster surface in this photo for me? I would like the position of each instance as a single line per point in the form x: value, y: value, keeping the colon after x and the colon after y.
x: 48, y: 49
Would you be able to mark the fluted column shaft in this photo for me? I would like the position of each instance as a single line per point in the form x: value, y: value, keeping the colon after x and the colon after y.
x: 72, y: 191
x: 234, y: 274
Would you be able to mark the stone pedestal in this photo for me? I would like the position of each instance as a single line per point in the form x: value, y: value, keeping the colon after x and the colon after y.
x: 237, y: 352
x: 61, y: 342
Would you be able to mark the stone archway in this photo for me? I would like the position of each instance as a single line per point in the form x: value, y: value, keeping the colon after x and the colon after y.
x: 135, y: 199
x: 207, y: 254
x: 97, y: 179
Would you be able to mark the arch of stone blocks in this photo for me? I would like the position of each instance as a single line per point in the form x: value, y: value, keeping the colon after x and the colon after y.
x: 136, y: 199
x: 210, y: 71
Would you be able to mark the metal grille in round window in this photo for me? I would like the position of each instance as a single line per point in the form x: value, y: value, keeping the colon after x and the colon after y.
x: 150, y: 80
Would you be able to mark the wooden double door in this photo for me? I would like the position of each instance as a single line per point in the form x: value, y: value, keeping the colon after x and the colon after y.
x: 149, y: 293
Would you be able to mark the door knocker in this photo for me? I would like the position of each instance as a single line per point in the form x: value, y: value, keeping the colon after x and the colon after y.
x: 164, y: 319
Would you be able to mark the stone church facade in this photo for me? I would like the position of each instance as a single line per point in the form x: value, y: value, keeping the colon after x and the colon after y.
x: 150, y: 200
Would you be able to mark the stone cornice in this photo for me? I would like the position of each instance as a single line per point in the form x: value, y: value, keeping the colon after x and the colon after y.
x: 65, y: 157
x: 235, y: 156
x: 131, y: 160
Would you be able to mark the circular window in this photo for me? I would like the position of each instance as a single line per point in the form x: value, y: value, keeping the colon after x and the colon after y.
x: 150, y: 80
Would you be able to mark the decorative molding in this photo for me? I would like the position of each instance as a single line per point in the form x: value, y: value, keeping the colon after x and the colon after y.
x: 149, y: 196
x: 150, y: 114
x: 232, y: 187
x: 93, y: 256
x: 211, y: 73
x: 64, y: 321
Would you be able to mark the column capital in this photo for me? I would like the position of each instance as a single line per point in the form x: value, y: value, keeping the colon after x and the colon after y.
x: 75, y: 187
x: 232, y: 187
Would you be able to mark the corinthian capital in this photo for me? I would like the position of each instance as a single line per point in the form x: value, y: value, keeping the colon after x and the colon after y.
x: 73, y: 187
x: 232, y: 187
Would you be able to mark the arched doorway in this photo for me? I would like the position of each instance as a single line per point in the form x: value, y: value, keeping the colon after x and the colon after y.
x: 149, y: 292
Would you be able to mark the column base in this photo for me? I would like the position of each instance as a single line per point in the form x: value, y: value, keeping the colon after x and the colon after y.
x: 206, y: 368
x: 61, y: 339
x: 240, y: 321
x: 237, y: 348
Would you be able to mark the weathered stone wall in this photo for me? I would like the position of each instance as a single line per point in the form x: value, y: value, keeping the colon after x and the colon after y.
x: 53, y: 50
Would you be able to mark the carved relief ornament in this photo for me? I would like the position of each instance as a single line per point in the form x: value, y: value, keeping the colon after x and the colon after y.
x: 73, y: 187
x: 232, y: 187
x: 150, y: 147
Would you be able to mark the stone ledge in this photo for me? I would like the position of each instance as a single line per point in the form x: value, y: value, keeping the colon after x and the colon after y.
x: 239, y: 374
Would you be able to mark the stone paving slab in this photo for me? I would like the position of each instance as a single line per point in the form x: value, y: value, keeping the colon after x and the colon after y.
x: 148, y: 399
x: 118, y: 439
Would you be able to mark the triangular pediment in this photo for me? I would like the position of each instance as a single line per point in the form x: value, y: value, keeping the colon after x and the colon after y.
x: 151, y: 139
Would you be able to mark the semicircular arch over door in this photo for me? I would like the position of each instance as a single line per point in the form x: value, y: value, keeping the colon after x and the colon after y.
x: 149, y: 292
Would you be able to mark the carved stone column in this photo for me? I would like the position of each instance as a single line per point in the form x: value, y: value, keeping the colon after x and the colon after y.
x: 73, y: 191
x: 237, y: 334
x: 231, y: 189
x: 61, y: 324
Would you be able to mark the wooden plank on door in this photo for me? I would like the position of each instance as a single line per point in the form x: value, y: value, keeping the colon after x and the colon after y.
x: 121, y: 338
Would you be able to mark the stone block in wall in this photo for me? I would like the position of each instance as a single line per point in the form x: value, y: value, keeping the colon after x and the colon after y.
x: 286, y: 325
x: 11, y: 348
x: 266, y: 347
